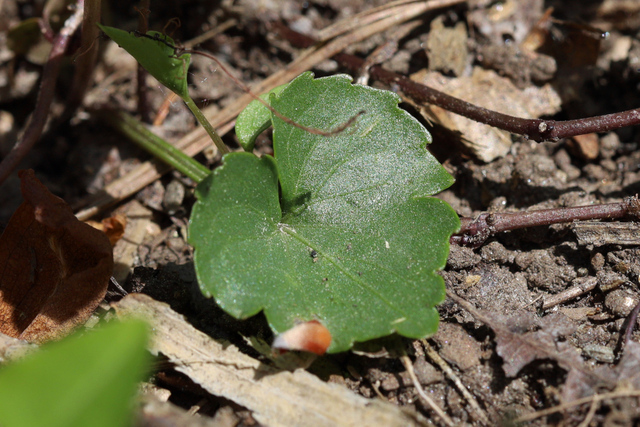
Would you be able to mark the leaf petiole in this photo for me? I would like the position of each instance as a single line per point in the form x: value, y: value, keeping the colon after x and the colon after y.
x: 206, y: 125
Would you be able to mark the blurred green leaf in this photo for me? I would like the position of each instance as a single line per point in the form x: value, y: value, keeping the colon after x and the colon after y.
x: 81, y: 381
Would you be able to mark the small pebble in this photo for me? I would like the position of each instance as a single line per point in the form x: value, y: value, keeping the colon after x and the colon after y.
x: 597, y: 261
x: 620, y: 302
x: 601, y: 353
x: 173, y: 197
x: 608, y: 280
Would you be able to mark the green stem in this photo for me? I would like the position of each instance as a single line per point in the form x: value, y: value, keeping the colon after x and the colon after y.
x: 155, y: 145
x: 206, y: 125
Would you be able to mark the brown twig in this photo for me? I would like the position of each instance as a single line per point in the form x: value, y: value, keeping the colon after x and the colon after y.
x: 631, y: 324
x: 338, y: 129
x: 179, y: 51
x: 45, y: 96
x: 475, y: 231
x: 141, y: 74
x: 86, y: 60
x: 534, y: 129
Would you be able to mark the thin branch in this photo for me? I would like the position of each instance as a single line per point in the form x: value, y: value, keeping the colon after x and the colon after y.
x: 475, y: 231
x: 534, y: 129
x: 581, y: 287
x: 45, y: 96
x: 631, y: 324
x: 141, y: 74
x: 338, y: 129
x: 595, y: 403
x: 86, y: 60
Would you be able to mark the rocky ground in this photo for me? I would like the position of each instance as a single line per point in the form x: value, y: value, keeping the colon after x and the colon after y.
x: 508, y: 333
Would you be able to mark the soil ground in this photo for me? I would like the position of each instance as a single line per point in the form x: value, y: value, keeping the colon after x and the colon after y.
x: 509, y: 278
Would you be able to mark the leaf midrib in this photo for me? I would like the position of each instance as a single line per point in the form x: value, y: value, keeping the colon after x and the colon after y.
x: 338, y: 265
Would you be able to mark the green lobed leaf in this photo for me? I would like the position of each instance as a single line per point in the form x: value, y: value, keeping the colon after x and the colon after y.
x: 81, y: 381
x: 351, y: 238
x: 155, y: 56
x: 254, y: 119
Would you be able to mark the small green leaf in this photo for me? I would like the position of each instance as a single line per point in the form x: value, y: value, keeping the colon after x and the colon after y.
x: 350, y: 238
x: 81, y: 381
x: 155, y: 56
x: 254, y: 119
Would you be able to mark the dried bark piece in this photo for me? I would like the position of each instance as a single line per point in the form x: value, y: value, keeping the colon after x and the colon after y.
x: 275, y: 397
x: 487, y: 89
x: 54, y: 269
x: 606, y: 233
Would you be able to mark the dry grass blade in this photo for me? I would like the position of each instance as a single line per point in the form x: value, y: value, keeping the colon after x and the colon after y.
x: 595, y: 398
x: 198, y: 140
x: 398, y: 9
x: 430, y: 403
x: 592, y: 411
x: 433, y: 354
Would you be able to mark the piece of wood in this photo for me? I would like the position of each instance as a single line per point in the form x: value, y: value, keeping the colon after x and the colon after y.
x: 275, y: 397
x: 607, y: 233
x: 139, y: 225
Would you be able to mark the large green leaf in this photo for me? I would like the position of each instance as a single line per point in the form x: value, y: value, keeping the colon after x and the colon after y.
x: 155, y: 53
x: 350, y: 238
x: 80, y: 381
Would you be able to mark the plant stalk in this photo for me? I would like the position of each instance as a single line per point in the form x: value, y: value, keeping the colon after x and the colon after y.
x: 206, y: 125
x: 147, y: 140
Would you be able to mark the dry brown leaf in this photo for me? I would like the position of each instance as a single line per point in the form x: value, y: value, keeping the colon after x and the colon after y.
x: 54, y: 269
x: 628, y: 370
x: 113, y: 227
x: 486, y: 88
x: 519, y: 345
x: 518, y: 349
